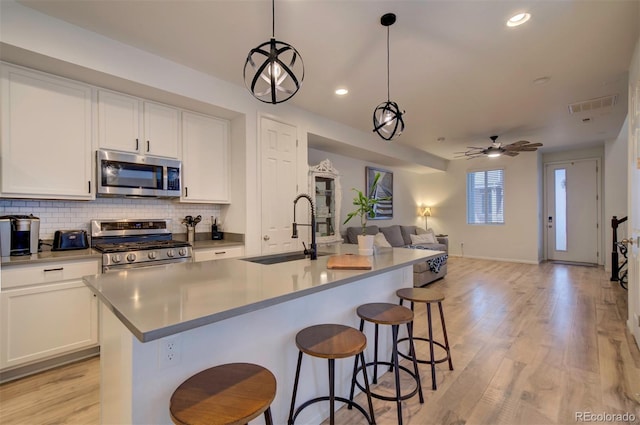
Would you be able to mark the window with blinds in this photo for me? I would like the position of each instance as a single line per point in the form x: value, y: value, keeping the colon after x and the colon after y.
x: 485, y: 197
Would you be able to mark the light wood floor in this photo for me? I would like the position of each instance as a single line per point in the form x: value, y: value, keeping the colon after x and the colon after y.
x: 531, y: 344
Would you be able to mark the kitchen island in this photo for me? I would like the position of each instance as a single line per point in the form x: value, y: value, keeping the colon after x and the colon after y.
x: 162, y: 324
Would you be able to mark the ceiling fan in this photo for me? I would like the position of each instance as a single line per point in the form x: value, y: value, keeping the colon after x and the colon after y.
x: 497, y: 149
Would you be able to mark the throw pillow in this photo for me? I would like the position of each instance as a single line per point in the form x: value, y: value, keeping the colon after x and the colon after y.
x: 424, y: 238
x: 406, y: 232
x: 393, y: 235
x: 381, y: 241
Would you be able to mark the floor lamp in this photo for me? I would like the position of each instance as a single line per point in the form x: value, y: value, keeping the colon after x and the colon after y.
x: 425, y: 212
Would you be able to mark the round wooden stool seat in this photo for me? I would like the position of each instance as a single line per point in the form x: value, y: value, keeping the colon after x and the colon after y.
x: 228, y: 394
x: 420, y: 295
x: 385, y: 314
x: 428, y: 296
x: 329, y: 341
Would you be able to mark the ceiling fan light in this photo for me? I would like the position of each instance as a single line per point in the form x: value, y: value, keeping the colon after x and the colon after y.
x: 494, y: 154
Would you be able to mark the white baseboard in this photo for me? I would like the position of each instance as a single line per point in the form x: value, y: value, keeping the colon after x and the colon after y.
x: 508, y: 260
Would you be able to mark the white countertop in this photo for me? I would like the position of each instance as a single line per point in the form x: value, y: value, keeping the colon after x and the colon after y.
x: 158, y: 301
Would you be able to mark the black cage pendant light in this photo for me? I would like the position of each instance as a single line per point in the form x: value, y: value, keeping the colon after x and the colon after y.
x: 274, y: 70
x: 387, y: 117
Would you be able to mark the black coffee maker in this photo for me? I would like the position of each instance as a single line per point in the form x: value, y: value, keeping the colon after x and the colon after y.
x: 19, y: 235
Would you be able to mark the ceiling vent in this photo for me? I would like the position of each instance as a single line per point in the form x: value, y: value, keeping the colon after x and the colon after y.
x: 593, y: 104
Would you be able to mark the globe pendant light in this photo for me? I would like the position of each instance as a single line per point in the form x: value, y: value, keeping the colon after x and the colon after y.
x: 271, y: 68
x: 387, y: 117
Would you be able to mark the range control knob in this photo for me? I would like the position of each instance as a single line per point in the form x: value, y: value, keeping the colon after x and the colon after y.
x: 131, y: 258
x: 152, y: 255
x: 182, y: 252
x: 116, y: 258
x: 171, y: 253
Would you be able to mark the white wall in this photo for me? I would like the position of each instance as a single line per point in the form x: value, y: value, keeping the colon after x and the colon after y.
x: 516, y: 240
x: 615, y: 188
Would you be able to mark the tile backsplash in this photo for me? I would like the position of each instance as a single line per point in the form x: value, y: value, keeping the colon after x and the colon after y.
x: 75, y: 215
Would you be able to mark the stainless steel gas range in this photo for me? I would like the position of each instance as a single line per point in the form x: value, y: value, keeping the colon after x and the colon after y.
x: 127, y: 244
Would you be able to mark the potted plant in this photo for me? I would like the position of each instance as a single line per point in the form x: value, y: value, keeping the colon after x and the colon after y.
x: 365, y: 208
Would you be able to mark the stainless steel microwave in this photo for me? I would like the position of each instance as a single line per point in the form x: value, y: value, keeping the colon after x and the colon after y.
x: 128, y: 174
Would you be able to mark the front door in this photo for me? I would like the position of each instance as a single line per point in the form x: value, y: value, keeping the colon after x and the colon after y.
x: 572, y: 211
x: 278, y: 185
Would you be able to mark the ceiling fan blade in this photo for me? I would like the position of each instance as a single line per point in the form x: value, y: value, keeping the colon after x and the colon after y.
x: 526, y: 149
x: 510, y: 153
x: 513, y: 147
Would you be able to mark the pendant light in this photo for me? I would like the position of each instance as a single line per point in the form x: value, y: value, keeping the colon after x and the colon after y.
x: 387, y: 117
x: 271, y: 68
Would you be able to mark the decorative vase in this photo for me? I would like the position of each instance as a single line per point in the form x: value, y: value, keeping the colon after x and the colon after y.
x: 365, y: 244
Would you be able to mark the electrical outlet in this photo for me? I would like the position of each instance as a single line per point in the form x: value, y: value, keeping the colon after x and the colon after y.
x: 169, y: 351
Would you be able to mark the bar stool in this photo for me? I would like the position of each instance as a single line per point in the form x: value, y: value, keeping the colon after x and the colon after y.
x: 428, y: 296
x: 331, y: 342
x: 229, y: 394
x: 394, y: 315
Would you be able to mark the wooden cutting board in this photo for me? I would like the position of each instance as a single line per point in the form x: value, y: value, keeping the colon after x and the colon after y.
x: 349, y: 262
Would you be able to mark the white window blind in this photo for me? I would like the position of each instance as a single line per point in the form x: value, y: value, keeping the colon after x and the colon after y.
x: 485, y: 197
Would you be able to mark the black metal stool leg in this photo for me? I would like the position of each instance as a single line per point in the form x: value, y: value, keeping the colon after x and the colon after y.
x: 332, y: 390
x: 375, y: 356
x: 295, y: 388
x: 444, y: 331
x: 267, y: 417
x: 394, y: 330
x: 432, y: 358
x: 367, y: 389
x: 412, y: 353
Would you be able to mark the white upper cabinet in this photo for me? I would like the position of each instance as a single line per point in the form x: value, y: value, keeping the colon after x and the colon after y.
x: 118, y: 121
x: 129, y: 124
x: 47, y: 143
x: 205, y: 159
x: 161, y: 130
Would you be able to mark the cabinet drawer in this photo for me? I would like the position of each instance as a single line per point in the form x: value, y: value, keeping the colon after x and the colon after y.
x: 218, y: 253
x: 24, y: 275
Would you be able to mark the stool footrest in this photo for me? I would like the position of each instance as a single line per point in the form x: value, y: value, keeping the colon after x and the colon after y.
x: 389, y: 398
x: 439, y: 344
x: 348, y: 402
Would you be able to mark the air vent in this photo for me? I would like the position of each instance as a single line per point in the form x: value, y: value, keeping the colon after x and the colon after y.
x: 593, y: 104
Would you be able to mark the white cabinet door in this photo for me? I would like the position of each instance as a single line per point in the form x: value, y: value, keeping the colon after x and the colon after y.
x: 205, y: 159
x: 161, y: 130
x: 47, y: 144
x: 206, y: 254
x: 129, y: 124
x: 118, y: 121
x: 46, y: 320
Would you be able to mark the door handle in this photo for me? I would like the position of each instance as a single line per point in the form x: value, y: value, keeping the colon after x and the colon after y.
x: 266, y: 237
x: 627, y: 241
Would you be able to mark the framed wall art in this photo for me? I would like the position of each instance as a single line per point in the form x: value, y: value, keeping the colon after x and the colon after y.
x: 384, y: 209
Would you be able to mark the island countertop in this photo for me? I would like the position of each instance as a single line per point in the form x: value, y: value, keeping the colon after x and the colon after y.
x: 159, y: 301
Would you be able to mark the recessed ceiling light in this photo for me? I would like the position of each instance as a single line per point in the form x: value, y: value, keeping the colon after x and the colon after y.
x: 341, y: 91
x: 518, y: 19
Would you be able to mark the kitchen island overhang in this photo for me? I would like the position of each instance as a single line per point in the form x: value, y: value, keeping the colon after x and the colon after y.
x: 240, y: 314
x: 159, y: 301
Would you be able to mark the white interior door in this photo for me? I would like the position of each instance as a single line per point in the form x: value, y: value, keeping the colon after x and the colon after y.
x: 279, y: 184
x: 633, y: 207
x: 572, y: 211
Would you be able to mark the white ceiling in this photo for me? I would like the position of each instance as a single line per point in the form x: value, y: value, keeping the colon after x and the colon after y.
x: 456, y: 68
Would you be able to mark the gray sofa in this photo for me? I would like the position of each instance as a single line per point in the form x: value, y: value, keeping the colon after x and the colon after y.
x: 399, y: 236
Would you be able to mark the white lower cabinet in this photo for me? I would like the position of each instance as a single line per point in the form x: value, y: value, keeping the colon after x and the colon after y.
x: 47, y: 319
x: 206, y: 254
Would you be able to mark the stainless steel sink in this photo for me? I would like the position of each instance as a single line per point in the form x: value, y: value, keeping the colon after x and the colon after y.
x: 280, y: 258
